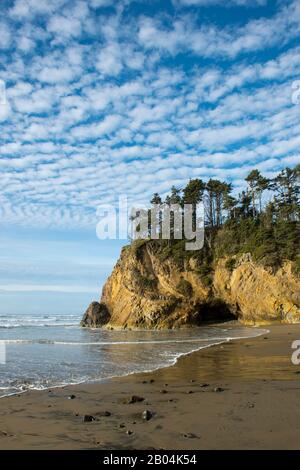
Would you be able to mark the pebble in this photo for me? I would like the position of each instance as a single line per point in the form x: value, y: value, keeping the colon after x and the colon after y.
x: 135, y: 399
x: 88, y: 418
x: 147, y: 415
x: 190, y: 435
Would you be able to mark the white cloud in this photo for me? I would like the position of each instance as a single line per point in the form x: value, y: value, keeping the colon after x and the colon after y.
x: 5, y: 36
x: 64, y: 27
x: 56, y: 74
x: 109, y: 60
x: 107, y: 126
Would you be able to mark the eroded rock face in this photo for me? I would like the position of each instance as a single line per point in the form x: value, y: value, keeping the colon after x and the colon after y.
x: 145, y: 292
x: 256, y: 295
x: 96, y: 315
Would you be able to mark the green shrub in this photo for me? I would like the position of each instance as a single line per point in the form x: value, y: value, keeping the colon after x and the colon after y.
x: 230, y: 264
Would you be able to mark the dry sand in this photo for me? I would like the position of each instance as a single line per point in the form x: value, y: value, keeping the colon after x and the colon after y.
x: 256, y: 407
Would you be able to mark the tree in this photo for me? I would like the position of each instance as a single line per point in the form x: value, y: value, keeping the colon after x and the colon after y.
x: 216, y: 191
x: 157, y: 201
x: 193, y: 192
x: 245, y: 203
x: 230, y: 205
x: 286, y: 187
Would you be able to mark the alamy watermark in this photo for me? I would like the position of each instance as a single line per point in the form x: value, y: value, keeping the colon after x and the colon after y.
x: 296, y: 92
x: 2, y: 353
x: 296, y: 354
x: 161, y: 221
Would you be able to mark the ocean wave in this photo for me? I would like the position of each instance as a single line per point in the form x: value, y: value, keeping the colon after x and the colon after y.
x: 30, y: 325
x: 137, y: 342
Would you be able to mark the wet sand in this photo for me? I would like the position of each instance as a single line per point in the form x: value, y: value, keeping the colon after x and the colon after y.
x: 240, y: 395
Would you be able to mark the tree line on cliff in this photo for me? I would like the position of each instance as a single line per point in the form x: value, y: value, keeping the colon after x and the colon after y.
x: 263, y: 219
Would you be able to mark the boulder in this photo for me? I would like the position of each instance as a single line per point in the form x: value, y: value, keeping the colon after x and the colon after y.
x: 96, y: 315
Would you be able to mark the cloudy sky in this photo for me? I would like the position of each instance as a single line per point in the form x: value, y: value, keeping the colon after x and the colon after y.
x: 108, y: 97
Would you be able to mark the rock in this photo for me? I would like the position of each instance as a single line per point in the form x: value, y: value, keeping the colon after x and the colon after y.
x: 96, y: 315
x: 121, y: 425
x: 144, y: 292
x: 218, y: 389
x: 135, y: 399
x: 129, y: 432
x: 190, y: 435
x: 189, y: 392
x: 71, y: 397
x: 147, y: 415
x: 88, y: 418
x: 163, y: 391
x: 204, y: 385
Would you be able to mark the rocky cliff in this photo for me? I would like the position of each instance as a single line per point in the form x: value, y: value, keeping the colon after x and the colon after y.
x: 145, y: 291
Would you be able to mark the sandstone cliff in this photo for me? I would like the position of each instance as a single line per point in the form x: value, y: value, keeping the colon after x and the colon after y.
x: 145, y: 291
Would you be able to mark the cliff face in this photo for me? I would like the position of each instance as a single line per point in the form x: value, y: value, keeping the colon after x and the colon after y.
x: 145, y: 292
x: 257, y: 296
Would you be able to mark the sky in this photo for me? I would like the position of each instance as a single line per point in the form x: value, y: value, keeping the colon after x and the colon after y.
x: 106, y: 98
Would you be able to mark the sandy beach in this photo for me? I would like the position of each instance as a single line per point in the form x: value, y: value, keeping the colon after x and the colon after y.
x: 239, y: 395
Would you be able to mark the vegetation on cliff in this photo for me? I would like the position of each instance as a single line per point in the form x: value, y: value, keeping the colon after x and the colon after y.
x: 263, y: 220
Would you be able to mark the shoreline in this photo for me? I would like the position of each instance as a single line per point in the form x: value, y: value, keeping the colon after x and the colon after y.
x: 234, y: 324
x: 216, y: 397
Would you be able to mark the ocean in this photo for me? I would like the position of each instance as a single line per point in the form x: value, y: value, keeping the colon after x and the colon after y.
x: 46, y: 351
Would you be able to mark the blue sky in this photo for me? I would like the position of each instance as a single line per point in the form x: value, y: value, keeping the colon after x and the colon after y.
x: 128, y: 97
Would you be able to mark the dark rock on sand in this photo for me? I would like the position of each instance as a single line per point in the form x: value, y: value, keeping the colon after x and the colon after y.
x: 147, y: 415
x: 135, y: 399
x: 218, y: 389
x: 71, y: 397
x: 88, y: 418
x: 190, y: 435
x: 96, y: 315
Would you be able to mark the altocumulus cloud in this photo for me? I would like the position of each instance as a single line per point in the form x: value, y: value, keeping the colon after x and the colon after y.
x: 112, y: 97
